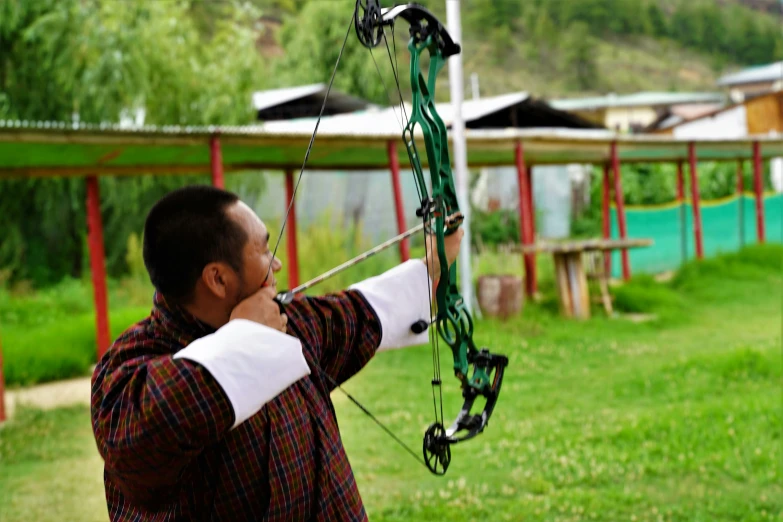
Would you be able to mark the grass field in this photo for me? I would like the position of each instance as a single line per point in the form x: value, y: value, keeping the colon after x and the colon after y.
x: 678, y: 418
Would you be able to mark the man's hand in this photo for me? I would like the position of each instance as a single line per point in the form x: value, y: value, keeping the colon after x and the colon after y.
x: 452, y: 244
x: 262, y: 309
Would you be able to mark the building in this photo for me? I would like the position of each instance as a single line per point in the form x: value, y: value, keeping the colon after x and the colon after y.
x: 753, y: 81
x: 636, y: 112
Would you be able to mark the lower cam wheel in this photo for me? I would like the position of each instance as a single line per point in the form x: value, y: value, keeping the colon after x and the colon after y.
x: 437, y: 452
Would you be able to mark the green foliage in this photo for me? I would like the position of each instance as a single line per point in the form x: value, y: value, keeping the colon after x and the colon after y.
x: 720, y: 274
x: 580, y: 55
x: 322, y: 246
x: 101, y: 58
x: 644, y: 295
x: 552, y: 41
x: 96, y: 60
x: 718, y: 278
x: 656, y: 184
x: 313, y: 40
x: 493, y: 228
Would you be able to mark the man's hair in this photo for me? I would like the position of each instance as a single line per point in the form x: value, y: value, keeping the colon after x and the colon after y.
x: 186, y: 230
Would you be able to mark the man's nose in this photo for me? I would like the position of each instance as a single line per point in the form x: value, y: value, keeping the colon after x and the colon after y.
x: 276, y: 264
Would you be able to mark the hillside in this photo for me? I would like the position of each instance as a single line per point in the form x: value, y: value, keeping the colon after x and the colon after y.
x: 557, y: 48
x: 622, y: 66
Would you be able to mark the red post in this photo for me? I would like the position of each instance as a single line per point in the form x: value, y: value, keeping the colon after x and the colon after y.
x: 680, y: 183
x: 606, y: 216
x: 293, y: 258
x: 394, y: 164
x: 95, y: 243
x: 741, y: 201
x: 758, y: 188
x: 216, y: 161
x: 532, y: 218
x: 618, y: 200
x: 2, y: 387
x: 697, y: 234
x: 681, y: 201
x: 526, y: 230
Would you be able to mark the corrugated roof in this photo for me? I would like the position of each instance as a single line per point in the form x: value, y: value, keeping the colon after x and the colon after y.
x: 265, y: 99
x: 391, y: 119
x: 304, y: 100
x: 476, y: 109
x: 639, y: 99
x: 55, y: 149
x: 758, y: 74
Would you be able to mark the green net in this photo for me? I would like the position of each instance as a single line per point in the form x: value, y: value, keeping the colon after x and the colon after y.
x: 727, y: 224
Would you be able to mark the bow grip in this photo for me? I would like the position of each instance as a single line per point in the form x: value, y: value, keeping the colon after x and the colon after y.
x: 283, y: 298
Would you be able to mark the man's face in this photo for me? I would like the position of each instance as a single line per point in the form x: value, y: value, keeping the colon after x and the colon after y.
x: 256, y: 256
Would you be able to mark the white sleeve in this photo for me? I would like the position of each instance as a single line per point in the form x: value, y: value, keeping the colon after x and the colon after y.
x: 400, y: 297
x: 252, y: 362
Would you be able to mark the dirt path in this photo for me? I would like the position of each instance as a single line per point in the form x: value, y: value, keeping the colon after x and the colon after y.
x: 50, y: 395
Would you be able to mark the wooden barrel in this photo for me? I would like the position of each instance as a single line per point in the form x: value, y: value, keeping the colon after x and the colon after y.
x: 500, y: 295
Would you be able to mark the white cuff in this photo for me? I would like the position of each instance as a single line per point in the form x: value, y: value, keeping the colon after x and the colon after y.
x: 400, y: 297
x: 252, y: 362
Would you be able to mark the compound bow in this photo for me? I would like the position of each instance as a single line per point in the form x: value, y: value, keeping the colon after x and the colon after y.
x: 441, y: 217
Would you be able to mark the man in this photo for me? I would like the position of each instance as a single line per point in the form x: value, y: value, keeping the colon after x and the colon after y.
x: 215, y: 406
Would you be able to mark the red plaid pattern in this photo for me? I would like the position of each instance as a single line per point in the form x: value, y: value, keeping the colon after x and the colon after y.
x: 162, y: 425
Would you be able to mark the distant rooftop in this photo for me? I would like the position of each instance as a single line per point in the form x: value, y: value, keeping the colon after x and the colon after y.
x: 304, y: 101
x: 758, y: 74
x: 514, y: 110
x: 639, y: 99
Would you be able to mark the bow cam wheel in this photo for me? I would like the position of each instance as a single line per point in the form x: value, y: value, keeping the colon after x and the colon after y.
x: 437, y: 452
x: 367, y: 20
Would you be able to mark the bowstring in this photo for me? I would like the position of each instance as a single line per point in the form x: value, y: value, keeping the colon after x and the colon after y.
x: 309, y: 147
x: 332, y: 381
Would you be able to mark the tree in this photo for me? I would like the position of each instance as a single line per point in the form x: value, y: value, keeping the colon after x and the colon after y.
x: 313, y: 39
x: 657, y: 20
x: 94, y: 59
x: 579, y: 56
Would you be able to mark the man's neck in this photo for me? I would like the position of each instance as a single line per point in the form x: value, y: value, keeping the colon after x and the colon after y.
x: 208, y: 313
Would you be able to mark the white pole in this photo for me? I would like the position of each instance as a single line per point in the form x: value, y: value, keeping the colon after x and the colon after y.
x: 460, y: 153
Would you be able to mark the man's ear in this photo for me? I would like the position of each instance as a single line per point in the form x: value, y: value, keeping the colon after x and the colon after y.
x: 218, y: 277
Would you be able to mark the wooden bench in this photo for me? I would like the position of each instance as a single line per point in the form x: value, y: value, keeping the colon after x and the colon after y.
x: 570, y: 257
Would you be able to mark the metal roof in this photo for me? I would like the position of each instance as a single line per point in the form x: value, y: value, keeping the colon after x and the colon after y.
x: 59, y: 149
x: 304, y: 100
x: 639, y: 99
x: 758, y: 74
x: 391, y: 120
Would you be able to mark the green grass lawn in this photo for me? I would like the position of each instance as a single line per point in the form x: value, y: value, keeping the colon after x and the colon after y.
x: 673, y: 419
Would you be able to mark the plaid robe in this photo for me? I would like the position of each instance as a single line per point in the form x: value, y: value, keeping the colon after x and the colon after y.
x: 163, y: 425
